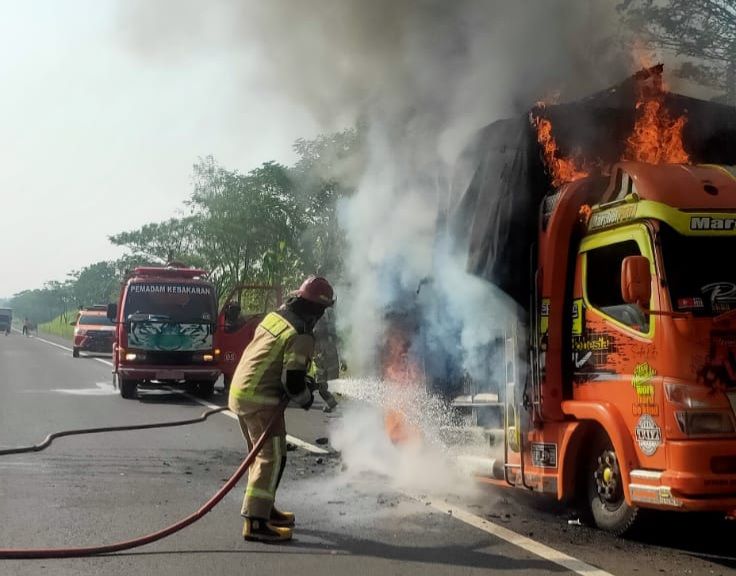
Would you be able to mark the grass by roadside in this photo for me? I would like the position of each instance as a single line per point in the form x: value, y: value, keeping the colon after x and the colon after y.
x: 59, y: 327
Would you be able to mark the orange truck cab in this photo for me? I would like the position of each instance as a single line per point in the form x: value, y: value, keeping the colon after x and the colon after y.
x: 165, y: 321
x: 632, y: 396
x: 619, y: 387
x: 93, y: 331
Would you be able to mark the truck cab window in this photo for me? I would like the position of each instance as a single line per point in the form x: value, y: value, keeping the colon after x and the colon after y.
x: 603, y: 284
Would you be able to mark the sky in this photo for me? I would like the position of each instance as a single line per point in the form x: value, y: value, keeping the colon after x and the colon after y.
x: 98, y: 136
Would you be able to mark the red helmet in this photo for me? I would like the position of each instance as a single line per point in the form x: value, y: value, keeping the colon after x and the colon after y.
x: 318, y: 290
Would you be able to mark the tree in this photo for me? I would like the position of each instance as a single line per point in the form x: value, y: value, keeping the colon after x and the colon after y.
x: 95, y: 284
x: 166, y: 241
x: 704, y: 30
x: 328, y: 170
x: 247, y: 225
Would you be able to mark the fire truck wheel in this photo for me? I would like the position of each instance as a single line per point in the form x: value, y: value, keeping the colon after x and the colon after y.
x: 226, y: 381
x: 204, y: 389
x: 128, y: 388
x: 605, y: 489
x: 75, y: 352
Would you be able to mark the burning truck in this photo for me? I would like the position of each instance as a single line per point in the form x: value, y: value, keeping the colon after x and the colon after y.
x: 608, y: 222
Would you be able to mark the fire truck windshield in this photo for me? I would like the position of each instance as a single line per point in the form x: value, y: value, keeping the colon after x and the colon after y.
x: 170, y: 302
x: 698, y: 275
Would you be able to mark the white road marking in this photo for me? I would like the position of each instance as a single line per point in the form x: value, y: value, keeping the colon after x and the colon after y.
x: 536, y: 548
x: 101, y: 389
x: 101, y: 360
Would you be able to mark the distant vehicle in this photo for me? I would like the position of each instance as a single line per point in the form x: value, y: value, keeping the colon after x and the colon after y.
x: 165, y: 323
x: 6, y: 319
x: 93, y: 331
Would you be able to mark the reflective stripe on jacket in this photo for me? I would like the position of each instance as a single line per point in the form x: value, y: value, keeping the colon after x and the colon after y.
x: 276, y: 347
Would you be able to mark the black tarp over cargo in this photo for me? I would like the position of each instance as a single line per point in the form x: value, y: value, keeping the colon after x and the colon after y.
x: 501, y: 178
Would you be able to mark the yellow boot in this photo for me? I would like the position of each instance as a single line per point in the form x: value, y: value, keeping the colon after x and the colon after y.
x: 261, y: 530
x: 281, y: 518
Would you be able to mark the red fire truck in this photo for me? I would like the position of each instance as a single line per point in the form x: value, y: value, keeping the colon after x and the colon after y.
x: 165, y: 321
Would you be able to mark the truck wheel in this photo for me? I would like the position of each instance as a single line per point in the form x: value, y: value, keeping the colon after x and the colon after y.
x: 204, y: 389
x: 226, y: 381
x: 605, y: 489
x: 128, y: 388
x: 75, y: 352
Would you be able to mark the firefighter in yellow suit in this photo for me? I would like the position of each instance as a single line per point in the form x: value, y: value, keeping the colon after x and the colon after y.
x: 274, y: 365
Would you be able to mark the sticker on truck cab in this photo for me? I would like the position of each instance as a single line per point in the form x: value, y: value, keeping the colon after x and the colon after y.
x: 648, y: 435
x: 544, y: 455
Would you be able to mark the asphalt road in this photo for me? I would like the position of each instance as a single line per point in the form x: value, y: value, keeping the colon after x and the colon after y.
x: 109, y: 487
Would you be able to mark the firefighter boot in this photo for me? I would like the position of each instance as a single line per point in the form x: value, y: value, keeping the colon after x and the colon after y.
x: 261, y: 530
x: 281, y: 519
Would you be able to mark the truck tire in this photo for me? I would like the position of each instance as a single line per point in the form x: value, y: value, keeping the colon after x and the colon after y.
x: 605, y: 490
x: 75, y: 352
x: 226, y: 381
x: 128, y: 388
x: 203, y: 389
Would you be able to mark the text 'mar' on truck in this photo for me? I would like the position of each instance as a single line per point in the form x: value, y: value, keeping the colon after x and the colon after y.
x: 165, y: 324
x: 628, y: 294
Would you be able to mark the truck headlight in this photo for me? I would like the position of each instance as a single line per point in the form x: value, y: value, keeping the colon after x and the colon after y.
x: 704, y: 423
x: 686, y: 395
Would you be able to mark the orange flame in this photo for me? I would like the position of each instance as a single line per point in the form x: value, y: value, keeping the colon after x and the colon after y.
x: 561, y: 169
x: 399, y: 366
x: 657, y: 138
x: 400, y: 369
x: 585, y: 213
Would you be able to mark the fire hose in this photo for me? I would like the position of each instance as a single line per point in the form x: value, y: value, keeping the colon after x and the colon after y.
x: 29, y: 553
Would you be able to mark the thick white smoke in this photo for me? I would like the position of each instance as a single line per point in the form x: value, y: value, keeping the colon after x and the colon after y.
x: 423, y: 76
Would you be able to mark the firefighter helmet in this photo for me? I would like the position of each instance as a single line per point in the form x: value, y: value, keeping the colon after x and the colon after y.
x: 318, y: 290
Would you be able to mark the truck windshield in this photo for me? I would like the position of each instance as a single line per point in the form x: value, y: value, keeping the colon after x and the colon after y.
x: 94, y: 320
x: 699, y: 276
x: 171, y: 302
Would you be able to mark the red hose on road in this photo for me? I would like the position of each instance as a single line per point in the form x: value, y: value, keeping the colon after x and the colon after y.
x: 28, y: 553
x: 82, y: 431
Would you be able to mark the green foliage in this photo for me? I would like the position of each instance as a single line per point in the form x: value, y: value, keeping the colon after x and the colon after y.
x: 242, y: 219
x: 328, y: 170
x: 704, y: 30
x: 42, y: 305
x: 59, y: 326
x: 161, y: 242
x: 98, y: 283
x: 95, y: 284
x: 273, y: 225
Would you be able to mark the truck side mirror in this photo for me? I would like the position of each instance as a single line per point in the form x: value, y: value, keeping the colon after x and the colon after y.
x: 636, y: 281
x: 112, y: 312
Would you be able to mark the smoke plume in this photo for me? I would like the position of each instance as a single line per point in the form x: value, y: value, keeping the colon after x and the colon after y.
x: 423, y: 76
